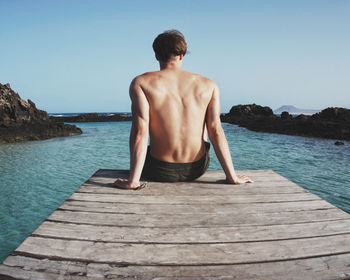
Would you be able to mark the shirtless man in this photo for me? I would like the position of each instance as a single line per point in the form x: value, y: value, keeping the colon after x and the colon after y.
x: 173, y: 107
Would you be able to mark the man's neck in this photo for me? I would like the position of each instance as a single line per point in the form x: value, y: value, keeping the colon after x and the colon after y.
x: 174, y: 64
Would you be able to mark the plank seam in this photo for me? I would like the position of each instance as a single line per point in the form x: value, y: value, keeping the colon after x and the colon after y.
x: 187, y: 243
x: 214, y: 226
x: 189, y: 213
x: 200, y: 195
x: 124, y: 264
x: 199, y: 203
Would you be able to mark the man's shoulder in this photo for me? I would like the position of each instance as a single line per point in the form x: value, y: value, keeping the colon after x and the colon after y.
x: 203, y: 80
x: 148, y: 75
x: 140, y: 79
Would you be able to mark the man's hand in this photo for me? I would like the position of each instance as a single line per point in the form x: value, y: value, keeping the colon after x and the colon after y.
x: 127, y: 185
x: 240, y: 179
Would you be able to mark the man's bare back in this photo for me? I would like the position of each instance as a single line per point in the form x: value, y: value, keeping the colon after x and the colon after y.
x: 178, y: 102
x: 173, y: 107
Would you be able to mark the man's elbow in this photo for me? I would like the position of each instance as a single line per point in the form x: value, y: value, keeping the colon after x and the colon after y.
x: 215, y: 133
x: 141, y: 132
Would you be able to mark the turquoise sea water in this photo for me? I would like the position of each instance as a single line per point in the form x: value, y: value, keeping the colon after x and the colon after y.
x: 36, y: 177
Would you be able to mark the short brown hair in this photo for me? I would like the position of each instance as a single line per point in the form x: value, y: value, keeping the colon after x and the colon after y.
x: 168, y: 44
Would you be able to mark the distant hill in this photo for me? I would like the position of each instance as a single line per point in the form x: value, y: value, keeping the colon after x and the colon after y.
x: 295, y: 111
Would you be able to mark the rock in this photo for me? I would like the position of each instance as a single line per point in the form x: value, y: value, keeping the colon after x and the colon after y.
x: 13, y: 109
x: 331, y: 123
x: 338, y: 143
x: 301, y: 117
x: 251, y: 110
x: 22, y: 121
x: 286, y: 116
x: 333, y: 114
x: 248, y: 115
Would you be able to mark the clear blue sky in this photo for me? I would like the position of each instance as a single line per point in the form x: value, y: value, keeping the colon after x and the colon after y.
x: 80, y: 56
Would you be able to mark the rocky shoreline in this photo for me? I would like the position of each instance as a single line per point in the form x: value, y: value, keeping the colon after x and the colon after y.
x: 92, y: 117
x: 330, y: 123
x: 20, y: 120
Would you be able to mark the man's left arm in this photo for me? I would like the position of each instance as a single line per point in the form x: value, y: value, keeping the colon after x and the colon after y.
x: 138, y: 136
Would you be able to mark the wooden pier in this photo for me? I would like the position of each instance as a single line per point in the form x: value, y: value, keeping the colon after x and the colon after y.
x: 272, y: 229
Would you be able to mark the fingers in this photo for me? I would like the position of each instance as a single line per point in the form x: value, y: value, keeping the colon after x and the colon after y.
x: 121, y: 180
x: 245, y: 179
x: 143, y: 185
x: 125, y: 184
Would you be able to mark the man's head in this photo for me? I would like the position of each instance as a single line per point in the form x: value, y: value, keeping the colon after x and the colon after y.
x: 169, y: 44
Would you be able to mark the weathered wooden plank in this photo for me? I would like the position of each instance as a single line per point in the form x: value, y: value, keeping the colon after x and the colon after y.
x: 191, y: 235
x: 139, y: 208
x: 171, y: 199
x: 198, y: 190
x: 216, y: 182
x: 112, y: 173
x: 323, y: 268
x: 211, y: 176
x: 196, y: 220
x: 184, y: 254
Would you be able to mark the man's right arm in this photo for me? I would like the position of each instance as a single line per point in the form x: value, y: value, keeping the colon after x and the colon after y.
x: 217, y: 137
x: 138, y: 136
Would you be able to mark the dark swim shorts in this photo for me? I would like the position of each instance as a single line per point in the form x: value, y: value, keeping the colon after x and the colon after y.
x: 161, y: 171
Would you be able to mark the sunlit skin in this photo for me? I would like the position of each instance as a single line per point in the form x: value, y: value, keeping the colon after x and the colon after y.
x: 173, y: 107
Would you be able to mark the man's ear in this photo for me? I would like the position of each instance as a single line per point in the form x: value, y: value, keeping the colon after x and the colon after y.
x: 181, y: 56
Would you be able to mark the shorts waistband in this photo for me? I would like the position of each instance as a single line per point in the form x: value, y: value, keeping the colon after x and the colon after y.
x: 179, y: 164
